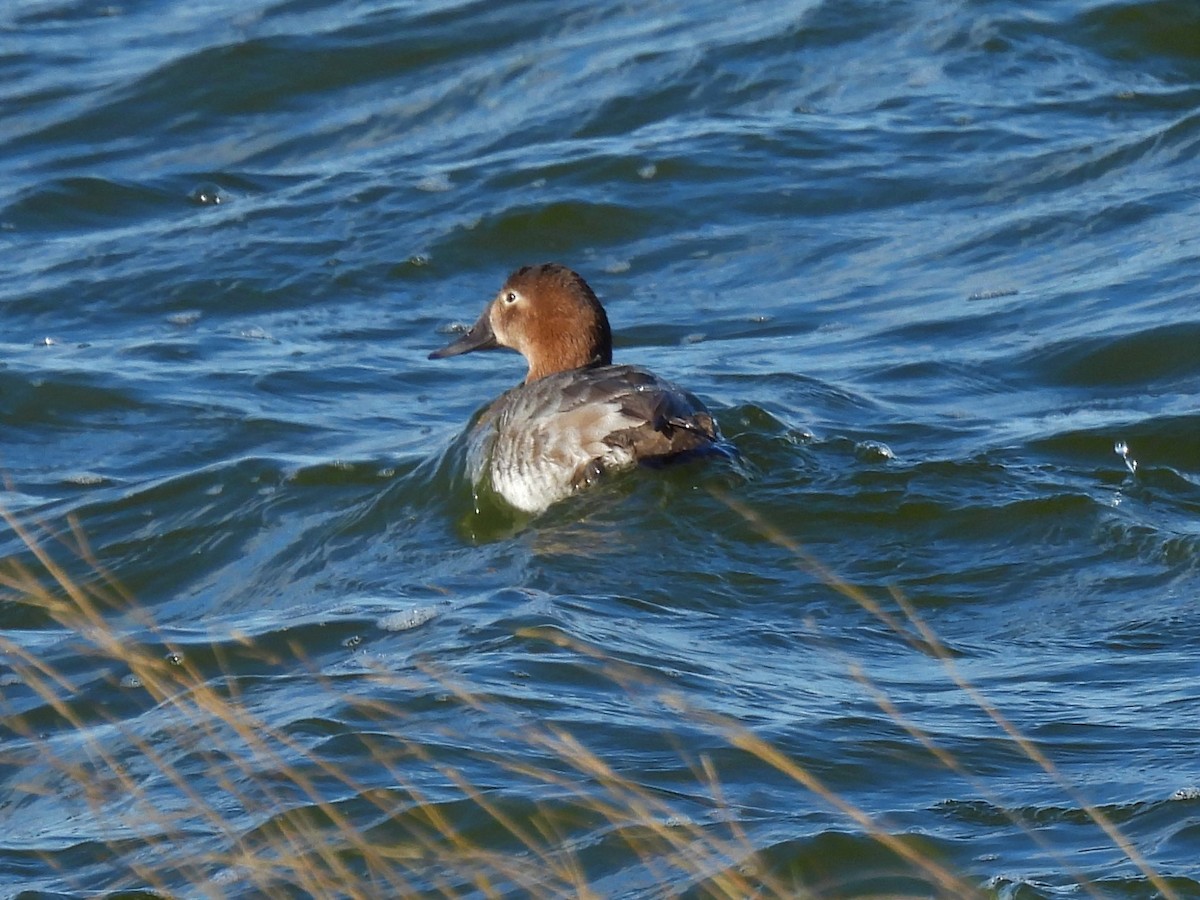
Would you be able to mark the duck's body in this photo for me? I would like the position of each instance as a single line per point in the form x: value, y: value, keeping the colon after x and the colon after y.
x: 541, y: 442
x: 576, y: 416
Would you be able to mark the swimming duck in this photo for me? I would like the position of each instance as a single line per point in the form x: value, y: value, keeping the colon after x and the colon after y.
x: 576, y: 416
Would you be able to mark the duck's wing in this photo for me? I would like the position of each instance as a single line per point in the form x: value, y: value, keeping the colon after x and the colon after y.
x: 566, y: 430
x: 626, y: 414
x: 665, y: 420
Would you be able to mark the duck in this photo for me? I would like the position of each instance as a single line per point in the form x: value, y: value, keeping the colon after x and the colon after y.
x: 576, y: 417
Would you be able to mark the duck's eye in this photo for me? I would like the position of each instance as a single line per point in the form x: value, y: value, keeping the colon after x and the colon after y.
x: 510, y: 297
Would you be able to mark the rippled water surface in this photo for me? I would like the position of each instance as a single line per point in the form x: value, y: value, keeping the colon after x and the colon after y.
x: 928, y: 263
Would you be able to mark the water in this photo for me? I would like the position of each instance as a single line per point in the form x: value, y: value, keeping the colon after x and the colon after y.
x: 929, y: 263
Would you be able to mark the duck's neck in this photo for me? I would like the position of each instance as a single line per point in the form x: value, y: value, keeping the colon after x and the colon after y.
x: 570, y: 356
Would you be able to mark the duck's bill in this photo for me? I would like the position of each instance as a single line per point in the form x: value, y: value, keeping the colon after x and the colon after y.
x: 480, y: 337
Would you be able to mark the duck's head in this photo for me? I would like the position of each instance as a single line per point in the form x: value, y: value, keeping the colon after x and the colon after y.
x: 549, y: 315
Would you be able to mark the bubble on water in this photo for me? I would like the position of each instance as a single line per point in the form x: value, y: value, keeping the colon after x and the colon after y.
x: 695, y: 337
x: 1191, y: 792
x: 1122, y: 450
x: 353, y: 641
x: 208, y: 194
x: 873, y: 451
x: 616, y: 267
x: 131, y: 681
x: 47, y: 342
x: 174, y: 658
x: 408, y: 618
x: 648, y: 171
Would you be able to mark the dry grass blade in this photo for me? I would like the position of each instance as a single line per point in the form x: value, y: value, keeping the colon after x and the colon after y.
x: 927, y: 641
x: 279, y: 816
x: 1031, y: 750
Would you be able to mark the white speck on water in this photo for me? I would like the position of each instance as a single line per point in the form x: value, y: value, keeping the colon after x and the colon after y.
x: 992, y: 295
x: 184, y: 319
x: 1191, y: 792
x: 85, y: 479
x: 131, y: 681
x: 407, y: 618
x: 873, y: 451
x: 801, y: 435
x: 48, y: 342
x: 694, y: 338
x: 256, y: 334
x: 208, y: 195
x: 648, y: 171
x: 228, y: 876
x: 1122, y: 450
x: 616, y: 267
x: 437, y: 183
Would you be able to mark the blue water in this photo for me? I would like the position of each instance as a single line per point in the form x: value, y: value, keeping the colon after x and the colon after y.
x: 928, y: 263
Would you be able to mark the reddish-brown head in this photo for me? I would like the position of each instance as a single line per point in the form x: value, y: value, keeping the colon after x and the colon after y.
x: 549, y: 315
